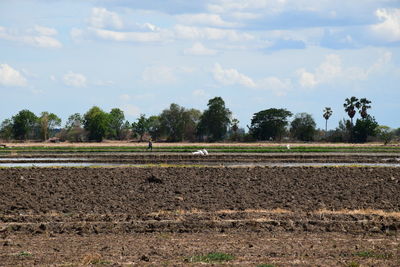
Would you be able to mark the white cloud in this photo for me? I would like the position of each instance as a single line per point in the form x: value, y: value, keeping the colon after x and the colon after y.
x: 331, y: 69
x: 199, y: 93
x: 45, y: 30
x: 74, y: 79
x: 198, y: 49
x: 130, y: 109
x: 142, y: 37
x: 102, y: 18
x: 207, y: 33
x: 231, y: 76
x: 41, y: 40
x: 11, y: 77
x: 159, y: 75
x: 204, y: 19
x: 389, y: 29
x: 125, y: 97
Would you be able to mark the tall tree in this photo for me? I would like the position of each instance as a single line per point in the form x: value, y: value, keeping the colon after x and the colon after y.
x: 327, y: 114
x: 74, y: 128
x: 96, y: 122
x: 24, y: 124
x: 48, y: 122
x: 363, y: 105
x: 141, y: 127
x: 364, y: 127
x: 303, y: 127
x: 116, y: 121
x: 215, y: 120
x: 269, y: 124
x: 6, y: 129
x: 155, y: 130
x: 75, y: 120
x: 350, y: 106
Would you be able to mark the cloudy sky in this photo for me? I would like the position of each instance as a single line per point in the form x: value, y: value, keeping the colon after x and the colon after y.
x: 303, y: 55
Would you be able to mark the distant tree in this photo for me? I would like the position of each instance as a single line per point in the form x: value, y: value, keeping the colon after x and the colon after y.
x: 141, y: 127
x: 191, y: 118
x: 6, y: 130
x: 303, y: 127
x: 385, y: 134
x: 96, y: 122
x: 24, y: 124
x: 363, y: 106
x: 48, y: 122
x: 75, y: 120
x: 235, y: 129
x: 172, y: 122
x: 364, y: 128
x: 116, y: 121
x: 155, y: 130
x: 269, y: 124
x: 215, y: 120
x: 327, y: 114
x: 74, y: 130
x: 350, y: 106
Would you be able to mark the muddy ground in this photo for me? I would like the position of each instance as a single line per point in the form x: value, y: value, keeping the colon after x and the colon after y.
x: 297, y: 216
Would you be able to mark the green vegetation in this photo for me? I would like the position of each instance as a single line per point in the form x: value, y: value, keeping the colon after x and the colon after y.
x: 372, y: 254
x: 179, y: 124
x: 353, y: 264
x: 266, y: 265
x: 24, y: 254
x: 212, y: 257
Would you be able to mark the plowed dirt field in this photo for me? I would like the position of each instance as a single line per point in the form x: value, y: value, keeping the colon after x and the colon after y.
x: 292, y: 216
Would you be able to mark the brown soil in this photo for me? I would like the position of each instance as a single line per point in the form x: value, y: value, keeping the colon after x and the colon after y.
x: 284, y: 216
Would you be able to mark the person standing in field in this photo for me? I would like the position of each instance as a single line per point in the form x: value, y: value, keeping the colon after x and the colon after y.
x: 150, y: 146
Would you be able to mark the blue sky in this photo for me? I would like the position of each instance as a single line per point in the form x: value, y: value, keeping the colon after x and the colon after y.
x: 67, y: 56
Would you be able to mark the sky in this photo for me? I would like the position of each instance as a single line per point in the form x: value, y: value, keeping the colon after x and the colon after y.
x: 140, y: 56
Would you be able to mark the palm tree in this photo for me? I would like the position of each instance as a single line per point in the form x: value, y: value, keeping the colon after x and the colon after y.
x: 350, y: 105
x: 327, y: 113
x: 363, y: 106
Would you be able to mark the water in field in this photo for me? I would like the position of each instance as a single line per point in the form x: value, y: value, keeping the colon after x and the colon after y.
x: 230, y: 165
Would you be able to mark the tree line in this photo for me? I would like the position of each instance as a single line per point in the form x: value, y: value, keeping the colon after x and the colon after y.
x: 215, y: 123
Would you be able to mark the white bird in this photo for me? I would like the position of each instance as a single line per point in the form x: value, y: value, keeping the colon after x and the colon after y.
x: 288, y: 146
x: 198, y: 152
x: 205, y: 152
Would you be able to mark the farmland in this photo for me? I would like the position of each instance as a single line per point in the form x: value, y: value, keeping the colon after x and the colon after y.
x: 170, y: 208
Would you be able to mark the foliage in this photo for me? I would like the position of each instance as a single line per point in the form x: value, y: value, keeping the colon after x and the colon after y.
x: 364, y: 128
x: 116, y: 123
x: 24, y: 124
x: 96, y: 122
x: 385, y: 134
x: 155, y: 130
x: 303, y: 127
x: 350, y: 105
x: 327, y: 114
x: 212, y: 257
x: 269, y: 124
x: 178, y: 123
x: 6, y: 129
x: 363, y: 105
x: 73, y: 130
x: 48, y: 122
x: 141, y: 127
x: 215, y: 120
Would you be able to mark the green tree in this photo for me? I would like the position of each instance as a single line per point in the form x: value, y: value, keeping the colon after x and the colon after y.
x: 191, y: 119
x: 155, y: 130
x: 350, y: 106
x: 48, y: 122
x: 327, y: 114
x: 385, y: 134
x: 364, y: 128
x: 215, y: 120
x: 141, y: 127
x: 74, y: 131
x: 6, y: 129
x: 303, y: 127
x: 116, y: 121
x: 96, y: 122
x: 24, y: 124
x: 363, y: 106
x: 269, y: 124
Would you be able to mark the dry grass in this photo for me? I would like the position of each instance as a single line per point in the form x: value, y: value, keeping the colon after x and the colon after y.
x: 361, y: 212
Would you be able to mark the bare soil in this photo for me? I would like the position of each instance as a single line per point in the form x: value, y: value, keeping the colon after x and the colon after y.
x: 298, y: 216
